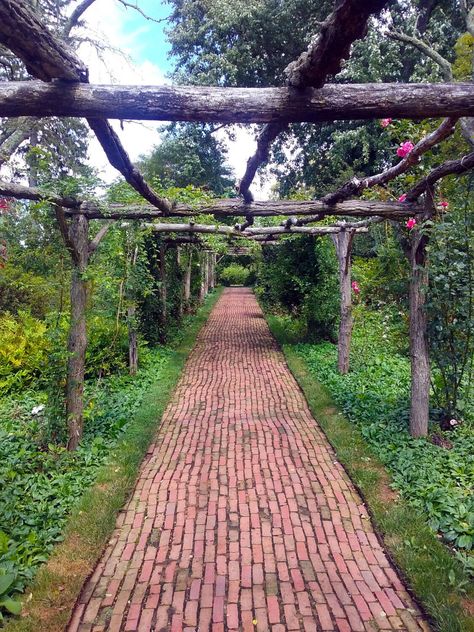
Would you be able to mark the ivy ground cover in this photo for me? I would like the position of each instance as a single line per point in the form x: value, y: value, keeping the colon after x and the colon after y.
x: 374, y: 396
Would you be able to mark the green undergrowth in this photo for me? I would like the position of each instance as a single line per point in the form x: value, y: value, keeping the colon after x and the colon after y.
x: 414, y: 490
x: 45, y: 514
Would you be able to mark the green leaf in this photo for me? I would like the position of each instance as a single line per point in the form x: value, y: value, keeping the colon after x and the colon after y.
x: 5, y: 582
x: 13, y: 606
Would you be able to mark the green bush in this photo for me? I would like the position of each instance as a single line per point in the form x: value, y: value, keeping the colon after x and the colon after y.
x: 24, y: 291
x: 300, y: 279
x: 234, y: 274
x: 23, y: 350
x: 375, y: 396
x: 107, y: 346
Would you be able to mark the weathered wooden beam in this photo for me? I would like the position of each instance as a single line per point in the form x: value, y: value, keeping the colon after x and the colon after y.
x: 344, y: 25
x: 237, y: 105
x: 451, y: 167
x: 356, y: 186
x: 236, y: 208
x: 229, y: 231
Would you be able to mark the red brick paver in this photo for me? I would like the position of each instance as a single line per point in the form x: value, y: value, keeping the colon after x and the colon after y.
x: 242, y: 518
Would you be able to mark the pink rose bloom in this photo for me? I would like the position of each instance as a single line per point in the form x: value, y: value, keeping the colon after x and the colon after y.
x: 355, y: 287
x: 385, y: 122
x: 444, y: 204
x: 403, y: 197
x: 404, y: 149
x: 411, y: 223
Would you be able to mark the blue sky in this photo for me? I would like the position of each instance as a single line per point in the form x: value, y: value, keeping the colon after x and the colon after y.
x: 149, y: 37
x: 147, y: 62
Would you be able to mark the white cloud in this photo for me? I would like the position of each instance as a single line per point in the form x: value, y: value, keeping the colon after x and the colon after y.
x: 113, y: 62
x: 107, y: 21
x: 240, y: 150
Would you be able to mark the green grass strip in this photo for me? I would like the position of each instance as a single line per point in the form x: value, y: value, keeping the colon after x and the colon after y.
x: 434, y: 576
x: 58, y: 584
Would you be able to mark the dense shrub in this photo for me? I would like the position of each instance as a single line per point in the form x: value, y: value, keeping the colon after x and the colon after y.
x: 300, y: 279
x: 41, y: 482
x: 23, y: 350
x: 24, y: 291
x: 375, y: 396
x: 234, y: 274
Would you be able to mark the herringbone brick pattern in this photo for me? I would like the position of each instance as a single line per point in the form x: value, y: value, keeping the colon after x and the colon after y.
x: 242, y: 518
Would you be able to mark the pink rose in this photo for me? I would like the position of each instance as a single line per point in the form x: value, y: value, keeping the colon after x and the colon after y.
x: 403, y: 197
x: 385, y: 122
x: 355, y: 287
x: 444, y: 204
x: 411, y: 223
x: 405, y: 148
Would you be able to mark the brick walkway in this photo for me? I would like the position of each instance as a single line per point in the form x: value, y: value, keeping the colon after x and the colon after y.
x: 242, y: 519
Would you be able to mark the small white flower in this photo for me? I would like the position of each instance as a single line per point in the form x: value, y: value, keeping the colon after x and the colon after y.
x: 37, y: 409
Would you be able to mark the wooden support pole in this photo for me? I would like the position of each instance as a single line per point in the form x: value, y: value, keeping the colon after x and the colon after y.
x: 77, y: 338
x: 187, y: 280
x: 163, y: 287
x: 419, y: 349
x: 132, y: 324
x: 343, y: 244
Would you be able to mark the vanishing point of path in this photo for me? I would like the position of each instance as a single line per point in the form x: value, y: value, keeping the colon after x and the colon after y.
x: 242, y: 518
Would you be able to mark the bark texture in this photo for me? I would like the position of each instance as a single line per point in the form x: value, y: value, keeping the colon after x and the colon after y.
x: 77, y: 340
x: 187, y: 280
x: 419, y: 351
x: 346, y: 24
x: 343, y: 244
x: 237, y: 105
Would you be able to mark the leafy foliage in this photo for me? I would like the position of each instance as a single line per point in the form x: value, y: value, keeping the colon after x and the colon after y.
x: 234, y: 274
x: 302, y: 281
x: 375, y: 395
x: 189, y: 155
x: 42, y: 482
x: 23, y: 350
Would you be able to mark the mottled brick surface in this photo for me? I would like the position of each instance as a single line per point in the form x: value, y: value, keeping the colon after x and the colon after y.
x: 242, y: 518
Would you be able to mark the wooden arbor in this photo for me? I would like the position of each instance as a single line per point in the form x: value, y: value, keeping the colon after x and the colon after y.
x: 63, y: 90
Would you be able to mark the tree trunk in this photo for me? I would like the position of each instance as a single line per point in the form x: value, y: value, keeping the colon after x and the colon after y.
x: 204, y: 276
x: 163, y: 288
x: 187, y: 280
x: 210, y: 262
x: 181, y: 292
x: 343, y: 244
x: 419, y: 350
x: 132, y: 341
x: 77, y: 341
x: 132, y: 325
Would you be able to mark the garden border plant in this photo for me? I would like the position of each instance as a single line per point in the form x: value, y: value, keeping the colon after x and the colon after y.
x: 50, y: 599
x: 437, y: 580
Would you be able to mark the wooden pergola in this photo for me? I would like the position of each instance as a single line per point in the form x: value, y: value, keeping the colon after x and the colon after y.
x: 61, y: 88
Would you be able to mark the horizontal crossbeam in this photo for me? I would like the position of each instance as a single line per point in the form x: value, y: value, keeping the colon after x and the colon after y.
x: 236, y: 105
x: 236, y: 208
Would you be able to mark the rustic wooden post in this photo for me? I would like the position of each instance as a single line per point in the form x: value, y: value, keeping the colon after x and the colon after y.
x: 204, y: 275
x: 343, y: 243
x: 181, y: 293
x: 163, y: 288
x: 419, y: 350
x: 76, y: 238
x: 77, y: 339
x: 210, y: 261
x: 187, y: 279
x: 132, y: 324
